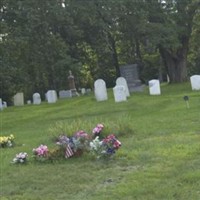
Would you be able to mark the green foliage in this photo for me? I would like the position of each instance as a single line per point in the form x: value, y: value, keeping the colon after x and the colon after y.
x: 43, y: 40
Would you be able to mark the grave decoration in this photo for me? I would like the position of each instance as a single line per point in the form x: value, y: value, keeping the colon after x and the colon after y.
x: 95, y: 144
x: 6, y: 141
x: 20, y: 158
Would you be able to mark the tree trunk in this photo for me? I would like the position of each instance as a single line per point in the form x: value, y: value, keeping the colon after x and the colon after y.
x: 114, y: 54
x: 176, y: 64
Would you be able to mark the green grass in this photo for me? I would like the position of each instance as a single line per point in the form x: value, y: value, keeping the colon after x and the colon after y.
x: 159, y: 157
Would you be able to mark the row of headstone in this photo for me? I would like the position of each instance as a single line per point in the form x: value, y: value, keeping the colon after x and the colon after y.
x: 195, y: 82
x: 121, y: 90
x: 63, y: 94
x: 51, y: 97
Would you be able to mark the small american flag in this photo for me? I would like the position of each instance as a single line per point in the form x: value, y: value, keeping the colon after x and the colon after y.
x: 68, y: 152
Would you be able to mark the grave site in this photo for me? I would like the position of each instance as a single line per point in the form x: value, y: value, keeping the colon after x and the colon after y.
x: 100, y: 100
x: 158, y: 155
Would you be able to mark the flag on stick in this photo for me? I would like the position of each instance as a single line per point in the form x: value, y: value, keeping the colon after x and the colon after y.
x: 68, y: 152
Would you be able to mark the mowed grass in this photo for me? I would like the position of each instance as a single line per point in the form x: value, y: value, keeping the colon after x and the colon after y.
x: 159, y: 157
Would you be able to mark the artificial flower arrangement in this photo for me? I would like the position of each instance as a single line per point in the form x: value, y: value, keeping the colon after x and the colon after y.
x: 105, y: 148
x: 41, y: 152
x: 76, y: 145
x: 6, y: 141
x: 81, y: 142
x: 20, y: 158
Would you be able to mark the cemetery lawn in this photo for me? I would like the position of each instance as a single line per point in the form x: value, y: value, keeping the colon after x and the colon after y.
x: 159, y: 158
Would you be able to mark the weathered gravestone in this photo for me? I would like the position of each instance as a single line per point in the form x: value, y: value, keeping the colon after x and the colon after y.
x: 36, y: 99
x: 100, y: 90
x: 130, y: 73
x: 122, y: 81
x: 63, y: 94
x: 154, y: 87
x: 28, y: 102
x: 51, y: 96
x: 19, y: 99
x: 83, y: 91
x: 195, y: 82
x: 72, y: 86
x: 119, y: 93
x: 88, y: 90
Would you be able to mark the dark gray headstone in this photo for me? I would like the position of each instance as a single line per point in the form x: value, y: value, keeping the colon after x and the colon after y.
x: 130, y: 73
x: 65, y: 94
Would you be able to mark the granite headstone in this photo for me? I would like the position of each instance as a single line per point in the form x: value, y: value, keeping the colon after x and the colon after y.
x: 130, y: 73
x: 63, y: 94
x: 19, y: 99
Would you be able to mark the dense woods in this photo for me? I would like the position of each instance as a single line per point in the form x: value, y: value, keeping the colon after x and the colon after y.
x: 40, y: 41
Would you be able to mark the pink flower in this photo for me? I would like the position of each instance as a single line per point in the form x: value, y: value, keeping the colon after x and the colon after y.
x: 42, y: 150
x: 81, y: 133
x: 98, y: 129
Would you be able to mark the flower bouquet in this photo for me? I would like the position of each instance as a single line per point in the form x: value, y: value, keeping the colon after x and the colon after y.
x: 75, y: 145
x: 105, y: 148
x: 6, y: 141
x: 97, y: 130
x: 20, y: 158
x: 41, y: 153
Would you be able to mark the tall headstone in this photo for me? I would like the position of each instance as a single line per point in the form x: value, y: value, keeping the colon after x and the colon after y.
x: 19, y: 99
x: 36, y: 99
x: 119, y: 92
x: 195, y: 82
x: 130, y: 73
x: 154, y: 87
x: 122, y: 81
x: 63, y: 94
x: 100, y: 90
x: 51, y: 96
x: 72, y: 86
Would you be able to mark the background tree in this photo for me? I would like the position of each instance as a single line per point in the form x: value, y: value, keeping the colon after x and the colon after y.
x: 42, y: 40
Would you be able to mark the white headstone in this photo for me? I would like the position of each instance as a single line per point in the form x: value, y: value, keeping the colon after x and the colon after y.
x: 4, y: 104
x: 119, y: 92
x: 122, y: 81
x: 36, y: 98
x: 195, y: 82
x: 154, y: 87
x: 19, y: 99
x: 100, y: 90
x: 28, y: 102
x: 83, y: 91
x: 51, y: 96
x: 65, y: 94
x: 1, y: 104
